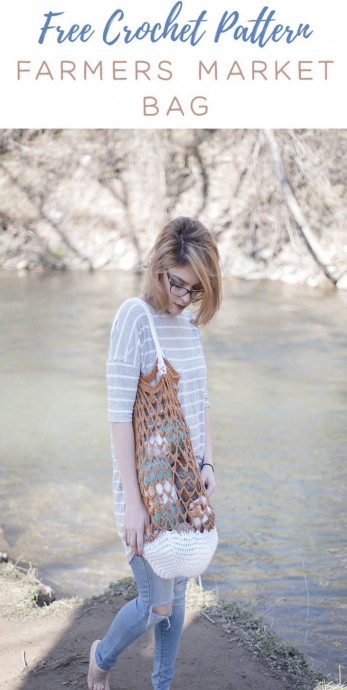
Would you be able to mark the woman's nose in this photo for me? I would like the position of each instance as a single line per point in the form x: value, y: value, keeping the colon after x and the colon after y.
x: 186, y: 298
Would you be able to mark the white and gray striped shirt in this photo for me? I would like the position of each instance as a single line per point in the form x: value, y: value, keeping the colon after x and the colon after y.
x: 132, y: 351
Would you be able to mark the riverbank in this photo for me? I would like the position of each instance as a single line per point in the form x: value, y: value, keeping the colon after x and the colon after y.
x: 96, y: 199
x: 44, y: 642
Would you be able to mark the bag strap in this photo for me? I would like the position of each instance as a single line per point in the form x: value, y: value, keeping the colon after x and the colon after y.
x: 160, y: 354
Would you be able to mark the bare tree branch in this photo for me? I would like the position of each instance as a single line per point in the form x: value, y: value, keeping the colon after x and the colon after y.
x: 291, y: 201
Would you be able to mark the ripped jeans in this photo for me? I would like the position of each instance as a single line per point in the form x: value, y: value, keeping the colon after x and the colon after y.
x: 139, y: 614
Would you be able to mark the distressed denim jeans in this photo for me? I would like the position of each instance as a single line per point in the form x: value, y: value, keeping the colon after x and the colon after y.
x: 138, y: 615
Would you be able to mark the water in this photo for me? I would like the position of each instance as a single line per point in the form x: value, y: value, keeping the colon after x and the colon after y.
x: 277, y: 361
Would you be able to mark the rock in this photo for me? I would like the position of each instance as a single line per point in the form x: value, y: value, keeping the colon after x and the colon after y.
x: 44, y: 595
x: 316, y: 280
x: 4, y: 545
x: 342, y: 282
x: 22, y: 264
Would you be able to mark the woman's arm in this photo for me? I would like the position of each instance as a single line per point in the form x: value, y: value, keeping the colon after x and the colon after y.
x: 136, y: 516
x: 207, y: 472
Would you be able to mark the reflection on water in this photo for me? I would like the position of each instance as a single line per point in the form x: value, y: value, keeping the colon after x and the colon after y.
x: 277, y: 378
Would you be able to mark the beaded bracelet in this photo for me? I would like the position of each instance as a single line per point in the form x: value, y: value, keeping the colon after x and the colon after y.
x: 207, y: 463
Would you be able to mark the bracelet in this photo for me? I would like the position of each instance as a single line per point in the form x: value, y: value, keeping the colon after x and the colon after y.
x: 207, y: 463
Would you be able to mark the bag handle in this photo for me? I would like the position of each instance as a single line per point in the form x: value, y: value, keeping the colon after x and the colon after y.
x: 160, y: 354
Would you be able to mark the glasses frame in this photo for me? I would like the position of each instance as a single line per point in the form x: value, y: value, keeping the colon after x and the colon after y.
x: 184, y: 291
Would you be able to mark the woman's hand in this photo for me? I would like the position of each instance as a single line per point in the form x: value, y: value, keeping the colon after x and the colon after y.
x: 136, y: 518
x: 136, y: 522
x: 207, y: 476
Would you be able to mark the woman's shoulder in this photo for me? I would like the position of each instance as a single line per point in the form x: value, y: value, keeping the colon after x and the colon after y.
x: 134, y: 311
x: 131, y: 311
x: 130, y: 305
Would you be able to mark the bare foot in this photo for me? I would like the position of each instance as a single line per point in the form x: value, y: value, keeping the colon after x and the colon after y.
x: 97, y: 678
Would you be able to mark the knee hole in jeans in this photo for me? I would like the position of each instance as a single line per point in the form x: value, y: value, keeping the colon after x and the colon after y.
x: 163, y: 609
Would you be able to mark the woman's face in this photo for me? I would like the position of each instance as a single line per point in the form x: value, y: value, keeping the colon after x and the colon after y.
x: 182, y: 276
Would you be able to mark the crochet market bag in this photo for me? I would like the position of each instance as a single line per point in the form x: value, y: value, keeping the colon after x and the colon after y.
x: 181, y: 538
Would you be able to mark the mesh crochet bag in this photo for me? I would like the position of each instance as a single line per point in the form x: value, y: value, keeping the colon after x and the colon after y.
x: 181, y: 538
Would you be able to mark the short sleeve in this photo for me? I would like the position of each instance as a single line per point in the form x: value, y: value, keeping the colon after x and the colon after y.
x: 201, y: 347
x: 124, y: 361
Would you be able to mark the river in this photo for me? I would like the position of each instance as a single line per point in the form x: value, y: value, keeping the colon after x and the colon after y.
x: 277, y: 363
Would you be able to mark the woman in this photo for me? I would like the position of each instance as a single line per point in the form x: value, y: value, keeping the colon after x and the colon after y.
x: 183, y: 268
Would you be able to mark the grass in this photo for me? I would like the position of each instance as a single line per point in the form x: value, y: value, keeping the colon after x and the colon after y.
x: 323, y: 685
x: 243, y: 625
x: 23, y: 592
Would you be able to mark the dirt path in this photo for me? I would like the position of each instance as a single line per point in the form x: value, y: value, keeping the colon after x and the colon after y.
x: 48, y: 649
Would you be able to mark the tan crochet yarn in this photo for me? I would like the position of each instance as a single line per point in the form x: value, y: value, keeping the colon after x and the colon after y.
x: 168, y: 474
x: 181, y: 538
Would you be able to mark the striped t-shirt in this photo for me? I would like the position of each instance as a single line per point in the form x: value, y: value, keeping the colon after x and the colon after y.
x: 132, y: 351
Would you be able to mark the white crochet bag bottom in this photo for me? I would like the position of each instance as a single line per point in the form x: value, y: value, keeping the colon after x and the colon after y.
x: 186, y: 554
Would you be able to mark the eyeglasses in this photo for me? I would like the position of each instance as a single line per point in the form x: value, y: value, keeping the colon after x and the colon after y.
x: 180, y: 291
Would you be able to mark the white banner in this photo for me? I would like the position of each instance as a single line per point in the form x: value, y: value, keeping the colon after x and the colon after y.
x: 166, y: 64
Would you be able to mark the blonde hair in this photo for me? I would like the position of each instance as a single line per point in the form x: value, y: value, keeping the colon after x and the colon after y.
x: 185, y: 241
